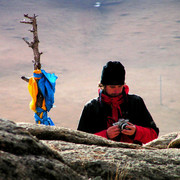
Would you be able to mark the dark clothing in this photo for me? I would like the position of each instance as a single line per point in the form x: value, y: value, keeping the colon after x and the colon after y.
x: 95, y: 116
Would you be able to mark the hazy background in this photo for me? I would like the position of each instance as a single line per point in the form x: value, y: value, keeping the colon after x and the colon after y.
x: 77, y: 39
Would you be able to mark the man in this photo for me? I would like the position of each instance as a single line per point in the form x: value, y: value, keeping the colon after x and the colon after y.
x: 114, y: 103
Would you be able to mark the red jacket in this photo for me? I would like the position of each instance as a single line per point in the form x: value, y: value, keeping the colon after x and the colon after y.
x: 143, y: 135
x: 95, y: 116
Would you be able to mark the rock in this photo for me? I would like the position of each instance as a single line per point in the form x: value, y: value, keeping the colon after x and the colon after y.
x: 59, y: 133
x: 175, y: 143
x: 42, y: 152
x: 94, y: 161
x: 32, y: 167
x: 163, y: 141
x: 23, y: 156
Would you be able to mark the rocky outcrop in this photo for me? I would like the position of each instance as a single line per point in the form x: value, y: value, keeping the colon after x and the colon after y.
x: 171, y: 140
x: 23, y: 156
x: 41, y: 152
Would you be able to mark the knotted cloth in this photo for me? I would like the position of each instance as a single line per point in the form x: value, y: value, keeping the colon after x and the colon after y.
x: 46, y: 84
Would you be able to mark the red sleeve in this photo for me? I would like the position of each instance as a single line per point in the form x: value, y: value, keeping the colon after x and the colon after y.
x: 102, y: 133
x: 144, y: 134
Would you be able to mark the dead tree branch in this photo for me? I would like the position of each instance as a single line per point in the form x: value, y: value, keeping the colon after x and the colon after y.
x: 35, y: 43
x: 35, y: 46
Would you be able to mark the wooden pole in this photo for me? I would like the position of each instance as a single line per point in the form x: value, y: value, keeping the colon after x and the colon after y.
x: 35, y: 46
x: 35, y: 43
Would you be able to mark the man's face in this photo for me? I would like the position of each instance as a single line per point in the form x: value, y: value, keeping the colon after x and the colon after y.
x: 114, y: 90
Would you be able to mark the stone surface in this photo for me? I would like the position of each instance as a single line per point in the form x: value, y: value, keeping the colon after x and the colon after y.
x: 165, y: 141
x: 29, y: 151
x: 175, y: 143
x: 108, y: 163
x: 59, y: 133
x: 23, y: 156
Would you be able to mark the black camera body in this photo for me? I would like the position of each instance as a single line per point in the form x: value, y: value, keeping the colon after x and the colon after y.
x: 122, y: 123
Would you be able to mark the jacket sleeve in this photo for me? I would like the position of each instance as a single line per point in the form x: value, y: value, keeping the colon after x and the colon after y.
x: 102, y: 133
x: 91, y: 118
x: 84, y: 120
x: 144, y: 134
x: 146, y: 129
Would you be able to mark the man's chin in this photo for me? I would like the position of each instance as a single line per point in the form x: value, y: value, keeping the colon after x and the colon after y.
x: 114, y: 95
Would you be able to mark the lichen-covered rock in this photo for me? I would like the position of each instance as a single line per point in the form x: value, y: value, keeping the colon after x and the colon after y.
x: 23, y: 156
x: 43, y: 152
x: 175, y: 143
x: 94, y: 161
x: 32, y: 167
x: 59, y: 133
x: 163, y: 141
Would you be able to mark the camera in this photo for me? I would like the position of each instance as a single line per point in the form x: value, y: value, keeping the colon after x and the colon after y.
x: 122, y: 123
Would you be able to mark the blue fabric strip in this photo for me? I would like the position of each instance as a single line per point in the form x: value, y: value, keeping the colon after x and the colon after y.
x: 37, y: 75
x: 46, y: 84
x: 45, y: 120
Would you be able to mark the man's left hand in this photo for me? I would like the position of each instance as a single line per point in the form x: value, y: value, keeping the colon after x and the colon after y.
x: 131, y: 129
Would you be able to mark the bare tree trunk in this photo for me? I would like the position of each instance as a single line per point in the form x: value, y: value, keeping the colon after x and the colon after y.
x: 35, y: 43
x: 35, y: 46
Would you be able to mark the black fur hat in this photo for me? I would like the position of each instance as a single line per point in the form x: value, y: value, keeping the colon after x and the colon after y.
x: 113, y: 73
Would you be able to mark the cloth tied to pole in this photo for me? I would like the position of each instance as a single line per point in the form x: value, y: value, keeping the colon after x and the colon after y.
x: 46, y: 84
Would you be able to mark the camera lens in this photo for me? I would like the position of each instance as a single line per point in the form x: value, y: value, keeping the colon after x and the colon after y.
x: 123, y: 126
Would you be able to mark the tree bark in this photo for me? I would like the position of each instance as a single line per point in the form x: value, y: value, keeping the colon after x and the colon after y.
x: 35, y: 43
x: 35, y: 46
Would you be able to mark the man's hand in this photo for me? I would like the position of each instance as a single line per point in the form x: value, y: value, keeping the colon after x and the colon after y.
x: 130, y: 131
x: 113, y: 131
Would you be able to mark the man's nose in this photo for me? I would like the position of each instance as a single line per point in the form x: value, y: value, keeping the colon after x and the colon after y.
x: 116, y: 91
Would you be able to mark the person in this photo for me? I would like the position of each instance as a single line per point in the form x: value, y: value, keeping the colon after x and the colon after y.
x: 114, y: 102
